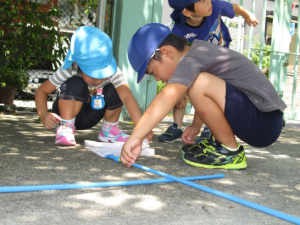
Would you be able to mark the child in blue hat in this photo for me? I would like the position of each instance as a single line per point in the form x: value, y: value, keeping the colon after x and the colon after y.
x: 90, y: 87
x: 202, y: 20
x: 230, y: 94
x: 194, y: 19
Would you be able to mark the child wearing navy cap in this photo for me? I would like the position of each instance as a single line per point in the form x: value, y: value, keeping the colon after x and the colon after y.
x: 194, y: 19
x: 90, y: 86
x: 230, y: 94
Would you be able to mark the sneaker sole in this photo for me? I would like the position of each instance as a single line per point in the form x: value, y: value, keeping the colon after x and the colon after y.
x: 177, y: 139
x: 105, y: 139
x: 65, y: 143
x: 238, y: 166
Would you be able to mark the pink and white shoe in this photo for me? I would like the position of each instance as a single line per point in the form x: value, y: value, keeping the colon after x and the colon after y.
x: 65, y: 135
x: 113, y: 134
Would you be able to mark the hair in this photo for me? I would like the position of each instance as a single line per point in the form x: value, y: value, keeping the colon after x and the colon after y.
x: 191, y: 7
x: 79, y: 70
x: 174, y: 40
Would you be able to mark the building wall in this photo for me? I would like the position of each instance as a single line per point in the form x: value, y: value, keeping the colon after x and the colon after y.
x: 130, y: 15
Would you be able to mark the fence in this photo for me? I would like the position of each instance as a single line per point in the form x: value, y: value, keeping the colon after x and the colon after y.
x: 280, y: 58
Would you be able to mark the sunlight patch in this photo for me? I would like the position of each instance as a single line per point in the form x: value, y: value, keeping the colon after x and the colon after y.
x: 278, y: 186
x: 294, y: 198
x: 150, y: 203
x: 253, y: 193
x: 255, y: 157
x: 223, y: 181
x: 11, y: 153
x: 95, y: 170
x: 112, y: 178
x: 30, y: 218
x: 116, y: 200
x: 90, y: 213
x: 133, y: 175
x: 32, y: 157
x: 43, y: 167
x: 73, y: 205
x: 61, y: 168
x: 206, y: 203
x: 281, y: 157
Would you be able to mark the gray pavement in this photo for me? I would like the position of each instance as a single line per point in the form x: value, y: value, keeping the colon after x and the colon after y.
x: 28, y: 156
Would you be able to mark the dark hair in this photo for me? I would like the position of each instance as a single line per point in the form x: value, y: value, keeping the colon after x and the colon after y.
x: 174, y: 40
x: 79, y: 70
x: 191, y: 7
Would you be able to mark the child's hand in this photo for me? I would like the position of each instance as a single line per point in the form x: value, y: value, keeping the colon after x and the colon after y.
x: 150, y: 135
x: 189, y: 134
x: 131, y: 151
x: 181, y: 103
x: 50, y: 119
x: 251, y: 19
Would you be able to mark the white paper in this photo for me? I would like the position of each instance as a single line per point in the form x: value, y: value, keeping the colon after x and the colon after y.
x: 104, y: 148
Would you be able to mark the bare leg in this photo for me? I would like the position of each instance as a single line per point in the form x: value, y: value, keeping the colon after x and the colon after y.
x: 69, y: 109
x: 178, y: 115
x: 112, y: 116
x: 208, y: 97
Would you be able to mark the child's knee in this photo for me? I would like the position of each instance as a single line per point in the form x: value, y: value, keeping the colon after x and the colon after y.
x: 199, y: 85
x: 74, y: 89
x: 111, y: 97
x: 207, y: 83
x: 76, y: 83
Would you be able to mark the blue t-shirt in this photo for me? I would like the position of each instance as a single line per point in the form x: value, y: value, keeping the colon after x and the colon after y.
x: 212, y: 29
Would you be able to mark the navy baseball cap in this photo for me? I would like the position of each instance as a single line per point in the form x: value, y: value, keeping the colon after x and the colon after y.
x: 91, y: 49
x: 178, y: 6
x: 143, y: 44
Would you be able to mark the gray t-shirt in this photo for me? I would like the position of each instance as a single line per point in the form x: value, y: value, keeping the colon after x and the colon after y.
x: 232, y: 67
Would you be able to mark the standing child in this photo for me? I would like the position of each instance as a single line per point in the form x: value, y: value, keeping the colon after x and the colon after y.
x: 194, y: 19
x: 89, y: 67
x: 229, y: 92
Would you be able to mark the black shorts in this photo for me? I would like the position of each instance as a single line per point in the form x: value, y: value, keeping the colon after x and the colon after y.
x: 248, y: 123
x: 75, y: 89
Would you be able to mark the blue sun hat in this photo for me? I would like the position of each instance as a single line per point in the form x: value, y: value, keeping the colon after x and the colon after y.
x: 91, y: 49
x: 178, y: 6
x: 143, y: 44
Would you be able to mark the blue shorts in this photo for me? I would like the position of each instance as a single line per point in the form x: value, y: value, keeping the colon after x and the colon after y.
x: 256, y: 128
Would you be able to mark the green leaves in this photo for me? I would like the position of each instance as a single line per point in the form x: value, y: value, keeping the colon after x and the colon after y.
x: 28, y: 35
x: 255, y: 52
x: 160, y: 86
x: 14, y: 78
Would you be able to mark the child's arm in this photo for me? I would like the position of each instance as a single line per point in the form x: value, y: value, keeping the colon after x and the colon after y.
x: 130, y: 103
x: 132, y: 106
x: 41, y: 94
x: 249, y: 17
x: 158, y: 109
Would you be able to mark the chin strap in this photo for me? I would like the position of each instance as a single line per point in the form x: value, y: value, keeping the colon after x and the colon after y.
x: 198, y: 18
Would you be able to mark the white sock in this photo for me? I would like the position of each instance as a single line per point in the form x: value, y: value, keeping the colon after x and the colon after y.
x: 233, y: 149
x: 108, y: 125
x: 68, y: 122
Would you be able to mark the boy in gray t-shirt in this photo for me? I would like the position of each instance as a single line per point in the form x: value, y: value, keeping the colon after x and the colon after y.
x: 230, y: 95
